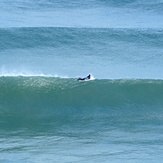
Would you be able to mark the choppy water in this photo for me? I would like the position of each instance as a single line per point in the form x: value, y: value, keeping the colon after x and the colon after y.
x: 46, y: 115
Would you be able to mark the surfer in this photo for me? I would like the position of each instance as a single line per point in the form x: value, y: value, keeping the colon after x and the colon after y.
x: 86, y: 78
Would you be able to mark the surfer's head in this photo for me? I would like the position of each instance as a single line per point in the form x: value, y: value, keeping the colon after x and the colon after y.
x: 89, y: 76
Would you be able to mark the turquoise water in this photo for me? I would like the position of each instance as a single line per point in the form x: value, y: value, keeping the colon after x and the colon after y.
x: 63, y: 120
x: 46, y: 115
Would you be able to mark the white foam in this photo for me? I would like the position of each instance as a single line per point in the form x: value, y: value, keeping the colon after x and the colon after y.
x: 92, y: 77
x: 12, y: 74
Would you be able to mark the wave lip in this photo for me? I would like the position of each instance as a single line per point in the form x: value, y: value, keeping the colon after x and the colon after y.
x: 30, y: 75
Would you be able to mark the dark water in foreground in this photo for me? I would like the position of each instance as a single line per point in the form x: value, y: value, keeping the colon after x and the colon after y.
x: 51, y: 119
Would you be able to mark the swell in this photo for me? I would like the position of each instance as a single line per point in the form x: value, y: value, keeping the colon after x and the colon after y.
x: 25, y: 38
x: 149, y: 5
x: 90, y: 13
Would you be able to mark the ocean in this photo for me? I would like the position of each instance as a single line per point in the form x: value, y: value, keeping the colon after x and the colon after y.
x: 46, y: 115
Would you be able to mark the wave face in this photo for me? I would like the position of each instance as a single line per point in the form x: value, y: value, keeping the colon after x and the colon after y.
x: 70, y: 93
x: 52, y: 113
x: 44, y: 98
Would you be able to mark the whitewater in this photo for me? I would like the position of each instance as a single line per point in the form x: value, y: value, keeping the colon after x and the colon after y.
x: 46, y: 115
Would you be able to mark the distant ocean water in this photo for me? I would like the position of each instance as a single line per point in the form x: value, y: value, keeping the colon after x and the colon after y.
x: 46, y: 115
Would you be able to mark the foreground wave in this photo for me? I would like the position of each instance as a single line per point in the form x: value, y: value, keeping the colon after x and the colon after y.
x: 65, y: 92
x: 39, y: 102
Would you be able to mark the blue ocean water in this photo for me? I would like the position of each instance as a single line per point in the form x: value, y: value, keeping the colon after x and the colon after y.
x: 46, y: 115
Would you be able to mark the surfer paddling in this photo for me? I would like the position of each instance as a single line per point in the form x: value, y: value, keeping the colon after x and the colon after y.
x: 86, y: 78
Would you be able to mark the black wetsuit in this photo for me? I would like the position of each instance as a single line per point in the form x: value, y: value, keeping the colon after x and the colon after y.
x: 88, y: 77
x: 81, y: 78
